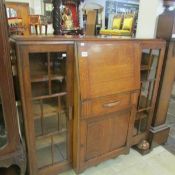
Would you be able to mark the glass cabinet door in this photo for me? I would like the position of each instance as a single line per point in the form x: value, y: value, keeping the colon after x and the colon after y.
x: 149, y: 68
x: 3, y: 130
x: 50, y: 106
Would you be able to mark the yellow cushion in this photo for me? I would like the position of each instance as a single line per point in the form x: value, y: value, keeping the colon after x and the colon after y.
x: 127, y: 23
x: 121, y: 33
x: 116, y: 23
x: 105, y: 31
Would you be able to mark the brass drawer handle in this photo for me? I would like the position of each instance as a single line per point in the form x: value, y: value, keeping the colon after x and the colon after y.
x: 112, y: 104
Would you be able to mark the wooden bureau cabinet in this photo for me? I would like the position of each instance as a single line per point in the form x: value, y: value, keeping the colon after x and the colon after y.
x: 107, y: 84
x: 85, y: 100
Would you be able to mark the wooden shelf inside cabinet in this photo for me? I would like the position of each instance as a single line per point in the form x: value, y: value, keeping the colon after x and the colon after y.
x: 50, y: 96
x: 141, y: 115
x: 144, y: 109
x: 145, y: 68
x: 48, y: 110
x: 40, y: 78
x: 45, y: 141
x: 150, y: 80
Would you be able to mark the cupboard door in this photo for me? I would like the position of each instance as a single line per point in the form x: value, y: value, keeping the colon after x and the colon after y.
x: 104, y: 135
x: 48, y: 97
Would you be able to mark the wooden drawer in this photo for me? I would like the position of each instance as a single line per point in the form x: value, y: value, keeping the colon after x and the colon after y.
x: 105, y: 105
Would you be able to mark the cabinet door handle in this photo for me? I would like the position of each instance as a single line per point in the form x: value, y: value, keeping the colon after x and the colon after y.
x: 112, y: 104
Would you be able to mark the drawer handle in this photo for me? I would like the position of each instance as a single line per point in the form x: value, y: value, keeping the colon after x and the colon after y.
x: 112, y: 104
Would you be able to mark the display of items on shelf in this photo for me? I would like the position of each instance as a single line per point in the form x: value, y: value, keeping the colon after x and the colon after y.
x: 37, y: 21
x: 16, y: 26
x: 18, y: 18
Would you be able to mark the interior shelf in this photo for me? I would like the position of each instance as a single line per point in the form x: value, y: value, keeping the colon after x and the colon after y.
x: 144, y: 109
x: 50, y: 96
x: 141, y: 115
x: 48, y: 110
x: 145, y: 67
x: 40, y: 78
x: 47, y: 141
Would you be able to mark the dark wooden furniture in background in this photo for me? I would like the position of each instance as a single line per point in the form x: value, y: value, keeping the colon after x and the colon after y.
x: 11, y: 151
x: 104, y: 98
x: 56, y: 17
x: 160, y: 131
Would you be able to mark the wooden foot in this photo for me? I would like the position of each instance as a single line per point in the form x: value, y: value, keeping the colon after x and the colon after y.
x: 143, y: 147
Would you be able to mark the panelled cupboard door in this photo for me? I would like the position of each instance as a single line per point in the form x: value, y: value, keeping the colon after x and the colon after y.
x: 46, y: 85
x: 103, y: 136
x: 108, y: 67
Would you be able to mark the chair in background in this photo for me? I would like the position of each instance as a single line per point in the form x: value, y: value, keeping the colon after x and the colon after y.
x: 37, y: 21
x: 116, y: 23
x: 121, y: 26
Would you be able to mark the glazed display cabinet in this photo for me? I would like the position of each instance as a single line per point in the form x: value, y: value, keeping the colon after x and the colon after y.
x: 45, y: 73
x: 85, y: 100
x: 152, y: 56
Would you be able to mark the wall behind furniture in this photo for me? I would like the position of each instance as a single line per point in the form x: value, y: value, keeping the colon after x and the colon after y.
x: 101, y: 3
x: 147, y: 18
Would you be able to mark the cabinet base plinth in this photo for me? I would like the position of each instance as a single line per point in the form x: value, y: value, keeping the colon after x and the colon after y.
x: 158, y: 135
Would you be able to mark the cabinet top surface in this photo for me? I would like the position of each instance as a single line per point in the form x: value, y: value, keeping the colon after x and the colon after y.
x: 69, y: 38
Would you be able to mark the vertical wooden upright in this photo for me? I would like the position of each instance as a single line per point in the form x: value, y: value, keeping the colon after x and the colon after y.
x: 11, y: 153
x: 160, y: 131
